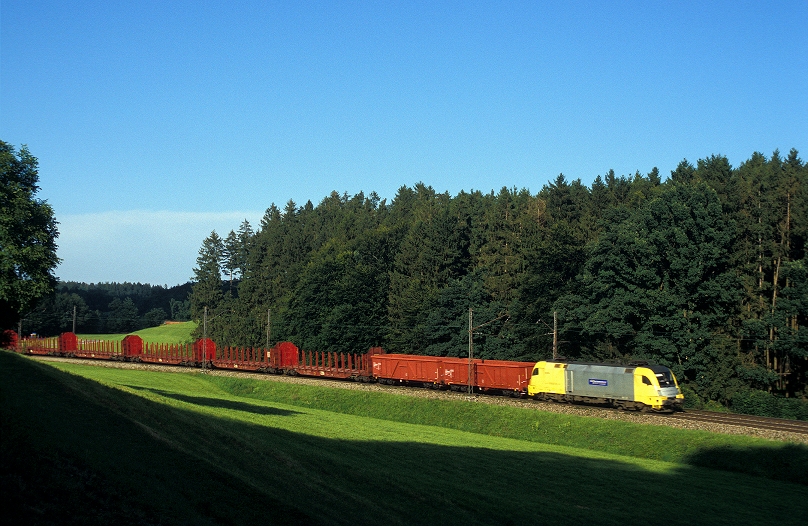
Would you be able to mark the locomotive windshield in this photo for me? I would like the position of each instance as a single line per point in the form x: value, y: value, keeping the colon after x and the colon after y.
x: 665, y: 379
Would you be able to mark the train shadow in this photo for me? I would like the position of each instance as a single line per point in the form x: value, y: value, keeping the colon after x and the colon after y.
x: 218, y: 403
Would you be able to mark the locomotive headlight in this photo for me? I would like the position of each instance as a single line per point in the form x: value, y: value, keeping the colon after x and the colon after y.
x: 668, y: 391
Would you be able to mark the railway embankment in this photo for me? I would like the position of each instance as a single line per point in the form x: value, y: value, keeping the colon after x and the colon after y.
x: 759, y: 427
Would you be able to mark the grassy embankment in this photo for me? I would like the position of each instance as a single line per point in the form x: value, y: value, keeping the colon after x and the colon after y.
x: 166, y: 333
x: 88, y: 445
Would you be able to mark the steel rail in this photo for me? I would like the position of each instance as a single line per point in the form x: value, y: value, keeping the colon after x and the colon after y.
x: 733, y: 419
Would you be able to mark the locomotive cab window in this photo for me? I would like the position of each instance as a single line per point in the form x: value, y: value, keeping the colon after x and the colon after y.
x: 536, y: 371
x: 646, y: 381
x: 665, y: 379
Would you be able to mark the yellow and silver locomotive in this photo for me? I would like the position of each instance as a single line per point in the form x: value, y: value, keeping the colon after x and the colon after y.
x: 632, y: 387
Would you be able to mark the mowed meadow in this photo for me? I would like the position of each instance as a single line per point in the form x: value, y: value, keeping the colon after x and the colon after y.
x: 175, y: 332
x: 94, y: 445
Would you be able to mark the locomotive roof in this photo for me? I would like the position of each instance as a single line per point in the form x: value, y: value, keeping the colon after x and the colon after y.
x: 637, y: 363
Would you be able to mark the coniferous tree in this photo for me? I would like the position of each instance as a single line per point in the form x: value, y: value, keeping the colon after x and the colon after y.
x: 670, y: 271
x: 244, y: 242
x: 207, y: 280
x: 761, y: 198
x: 230, y: 258
x: 658, y: 285
x: 500, y: 256
x: 430, y: 254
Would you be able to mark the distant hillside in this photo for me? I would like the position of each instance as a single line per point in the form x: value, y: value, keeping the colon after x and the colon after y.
x: 107, y: 308
x: 169, y: 332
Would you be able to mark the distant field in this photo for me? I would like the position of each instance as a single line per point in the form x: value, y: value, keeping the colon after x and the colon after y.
x: 166, y: 333
x: 191, y: 448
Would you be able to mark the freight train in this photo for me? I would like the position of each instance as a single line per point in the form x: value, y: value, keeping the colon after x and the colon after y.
x: 638, y: 386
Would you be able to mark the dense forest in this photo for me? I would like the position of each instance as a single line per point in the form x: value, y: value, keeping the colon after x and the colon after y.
x: 107, y: 308
x: 705, y: 272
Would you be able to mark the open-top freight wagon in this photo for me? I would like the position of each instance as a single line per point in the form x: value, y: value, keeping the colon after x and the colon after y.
x: 499, y: 376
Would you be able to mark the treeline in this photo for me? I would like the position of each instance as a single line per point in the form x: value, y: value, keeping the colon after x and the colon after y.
x: 107, y: 308
x: 705, y: 272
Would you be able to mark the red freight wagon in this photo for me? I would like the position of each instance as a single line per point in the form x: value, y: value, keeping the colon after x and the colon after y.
x: 99, y: 349
x: 283, y: 355
x: 42, y: 346
x: 68, y: 343
x: 337, y: 365
x: 242, y: 358
x: 132, y: 346
x: 204, y: 350
x: 63, y: 345
x: 457, y: 372
x: 402, y: 368
x: 510, y: 377
x: 169, y: 354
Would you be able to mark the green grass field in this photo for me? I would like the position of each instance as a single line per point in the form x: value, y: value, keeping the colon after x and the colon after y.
x: 91, y: 445
x: 166, y: 333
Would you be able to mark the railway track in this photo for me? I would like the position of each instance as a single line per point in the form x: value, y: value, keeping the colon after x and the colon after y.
x: 747, y: 421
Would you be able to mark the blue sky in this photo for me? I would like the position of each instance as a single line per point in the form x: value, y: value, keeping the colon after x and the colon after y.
x: 157, y: 122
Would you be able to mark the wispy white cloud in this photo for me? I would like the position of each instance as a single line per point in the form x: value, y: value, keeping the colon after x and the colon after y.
x: 157, y: 247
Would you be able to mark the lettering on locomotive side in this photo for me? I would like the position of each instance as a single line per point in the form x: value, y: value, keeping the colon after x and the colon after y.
x: 595, y: 381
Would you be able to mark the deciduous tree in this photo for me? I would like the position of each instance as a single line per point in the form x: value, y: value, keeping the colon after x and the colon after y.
x: 27, y: 236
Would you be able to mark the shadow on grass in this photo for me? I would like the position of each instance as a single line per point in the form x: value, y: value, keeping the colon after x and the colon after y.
x: 219, y: 403
x: 75, y: 452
